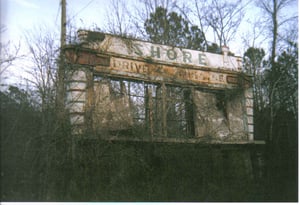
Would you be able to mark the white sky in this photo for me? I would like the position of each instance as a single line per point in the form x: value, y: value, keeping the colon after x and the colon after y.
x: 20, y: 16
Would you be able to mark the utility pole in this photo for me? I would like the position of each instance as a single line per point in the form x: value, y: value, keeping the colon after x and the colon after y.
x: 60, y: 96
x: 63, y: 23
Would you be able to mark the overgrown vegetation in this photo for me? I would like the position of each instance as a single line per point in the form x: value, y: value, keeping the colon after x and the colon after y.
x: 39, y: 166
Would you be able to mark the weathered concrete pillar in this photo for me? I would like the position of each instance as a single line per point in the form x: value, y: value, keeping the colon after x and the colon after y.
x: 76, y: 99
x: 248, y: 93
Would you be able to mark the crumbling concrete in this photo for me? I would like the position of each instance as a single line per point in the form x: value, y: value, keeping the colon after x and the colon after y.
x: 222, y: 96
x: 235, y: 115
x: 110, y: 112
x: 219, y: 119
x: 209, y: 120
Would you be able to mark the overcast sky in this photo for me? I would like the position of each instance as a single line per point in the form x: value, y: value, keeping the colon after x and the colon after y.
x: 21, y: 15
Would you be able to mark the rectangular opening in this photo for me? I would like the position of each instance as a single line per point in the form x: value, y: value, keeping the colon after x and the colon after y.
x: 142, y: 109
x: 179, y: 111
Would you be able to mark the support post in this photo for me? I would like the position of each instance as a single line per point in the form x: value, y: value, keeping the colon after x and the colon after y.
x: 164, y: 109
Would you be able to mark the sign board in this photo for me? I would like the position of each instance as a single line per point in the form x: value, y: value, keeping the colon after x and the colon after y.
x: 173, y: 74
x: 141, y: 50
x: 122, y: 57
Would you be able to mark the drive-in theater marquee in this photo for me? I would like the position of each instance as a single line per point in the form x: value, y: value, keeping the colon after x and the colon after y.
x: 209, y: 79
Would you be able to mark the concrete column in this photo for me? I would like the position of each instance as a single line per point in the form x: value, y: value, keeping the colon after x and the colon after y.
x: 76, y: 99
x: 249, y: 112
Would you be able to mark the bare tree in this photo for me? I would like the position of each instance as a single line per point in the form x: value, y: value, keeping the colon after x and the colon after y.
x: 121, y: 21
x: 273, y: 9
x: 43, y: 59
x: 43, y: 55
x: 253, y: 63
x: 254, y: 36
x: 9, y: 53
x: 222, y: 17
x: 150, y: 6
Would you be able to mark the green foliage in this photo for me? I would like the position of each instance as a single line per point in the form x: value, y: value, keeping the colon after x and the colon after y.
x: 253, y: 64
x: 213, y: 48
x: 276, y: 117
x: 275, y: 90
x: 38, y: 166
x: 284, y: 79
x: 172, y: 29
x: 253, y: 59
x: 139, y: 171
x: 32, y: 147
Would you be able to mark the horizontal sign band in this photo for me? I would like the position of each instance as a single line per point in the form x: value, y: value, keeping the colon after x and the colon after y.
x: 146, y: 71
x: 132, y: 48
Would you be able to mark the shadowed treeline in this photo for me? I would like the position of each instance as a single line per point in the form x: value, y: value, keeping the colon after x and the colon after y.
x: 39, y: 166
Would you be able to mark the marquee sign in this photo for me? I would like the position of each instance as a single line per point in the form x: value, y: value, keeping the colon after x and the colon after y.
x: 141, y: 50
x: 101, y: 54
x: 121, y: 57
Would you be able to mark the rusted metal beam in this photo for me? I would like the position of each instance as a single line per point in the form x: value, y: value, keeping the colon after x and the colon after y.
x: 85, y: 57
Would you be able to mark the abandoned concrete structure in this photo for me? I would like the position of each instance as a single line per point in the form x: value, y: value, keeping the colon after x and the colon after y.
x: 121, y: 88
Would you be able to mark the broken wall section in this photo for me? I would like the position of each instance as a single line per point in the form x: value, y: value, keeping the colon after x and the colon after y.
x: 98, y: 105
x: 93, y: 106
x: 111, y: 110
x: 222, y: 115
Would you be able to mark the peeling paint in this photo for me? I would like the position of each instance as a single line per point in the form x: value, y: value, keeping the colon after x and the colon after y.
x: 216, y: 116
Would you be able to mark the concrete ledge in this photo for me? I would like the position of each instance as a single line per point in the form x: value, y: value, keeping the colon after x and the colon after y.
x: 174, y: 140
